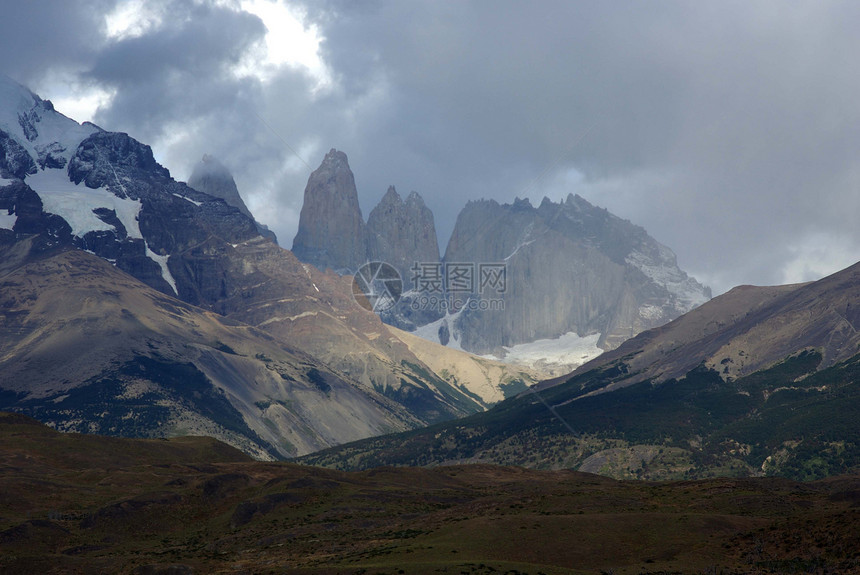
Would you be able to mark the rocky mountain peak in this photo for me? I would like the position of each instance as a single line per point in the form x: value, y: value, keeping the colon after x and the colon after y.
x: 331, y: 229
x: 415, y: 199
x: 210, y: 166
x: 522, y: 204
x: 212, y: 177
x: 391, y: 198
x: 393, y: 201
x: 17, y: 101
x: 571, y: 268
x: 76, y: 185
x: 102, y: 157
x: 402, y: 233
x: 335, y: 162
x: 32, y: 134
x: 545, y: 202
x: 577, y: 200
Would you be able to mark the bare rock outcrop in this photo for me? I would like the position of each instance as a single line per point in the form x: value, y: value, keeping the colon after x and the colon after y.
x: 571, y: 267
x: 331, y: 230
x: 402, y: 233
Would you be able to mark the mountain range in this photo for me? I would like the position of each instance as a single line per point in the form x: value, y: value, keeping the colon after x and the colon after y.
x: 133, y: 304
x: 571, y: 267
x: 213, y: 178
x: 758, y: 381
x: 333, y: 234
x: 511, y: 275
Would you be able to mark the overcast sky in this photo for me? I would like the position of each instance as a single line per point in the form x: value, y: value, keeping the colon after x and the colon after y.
x: 729, y: 130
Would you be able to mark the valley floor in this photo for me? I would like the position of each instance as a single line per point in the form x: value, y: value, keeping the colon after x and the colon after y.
x: 86, y: 504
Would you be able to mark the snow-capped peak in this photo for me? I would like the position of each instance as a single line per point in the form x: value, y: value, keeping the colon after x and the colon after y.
x: 48, y: 136
x: 51, y: 140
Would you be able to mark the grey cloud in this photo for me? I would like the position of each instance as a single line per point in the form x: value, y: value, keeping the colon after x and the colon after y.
x: 177, y: 72
x: 728, y: 130
x: 747, y: 109
x: 42, y: 35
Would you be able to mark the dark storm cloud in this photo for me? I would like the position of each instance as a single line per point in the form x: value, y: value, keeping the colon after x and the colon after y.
x: 728, y: 130
x: 178, y: 72
x: 39, y: 35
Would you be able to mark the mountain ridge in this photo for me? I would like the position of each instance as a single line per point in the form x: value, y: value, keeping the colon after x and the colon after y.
x: 114, y: 200
x: 571, y: 267
x: 212, y: 177
x: 561, y: 269
x: 758, y: 381
x: 787, y: 318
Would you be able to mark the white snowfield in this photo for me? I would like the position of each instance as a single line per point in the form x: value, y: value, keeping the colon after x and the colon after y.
x: 7, y: 222
x: 552, y: 356
x: 75, y: 203
x: 54, y: 131
x: 430, y: 332
x: 561, y: 354
x: 165, y: 271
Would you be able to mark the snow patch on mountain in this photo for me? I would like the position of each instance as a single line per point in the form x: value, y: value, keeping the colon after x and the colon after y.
x: 48, y: 136
x: 165, y: 271
x: 553, y: 356
x: 198, y: 204
x: 7, y: 221
x: 516, y: 249
x: 663, y: 270
x: 525, y: 240
x: 75, y: 203
x: 430, y: 332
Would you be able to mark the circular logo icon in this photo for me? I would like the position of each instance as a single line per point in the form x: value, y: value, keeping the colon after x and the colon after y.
x: 377, y: 286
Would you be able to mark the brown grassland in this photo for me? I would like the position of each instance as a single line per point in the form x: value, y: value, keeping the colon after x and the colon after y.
x: 88, y: 504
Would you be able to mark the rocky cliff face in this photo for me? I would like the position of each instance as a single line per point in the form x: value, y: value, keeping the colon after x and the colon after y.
x: 570, y: 267
x: 212, y: 177
x: 332, y: 234
x: 402, y: 233
x: 331, y: 229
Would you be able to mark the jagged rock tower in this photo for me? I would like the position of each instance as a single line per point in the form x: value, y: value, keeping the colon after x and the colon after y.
x: 331, y: 230
x: 402, y: 233
x: 212, y: 177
